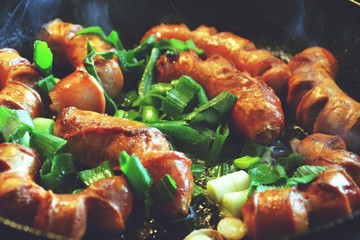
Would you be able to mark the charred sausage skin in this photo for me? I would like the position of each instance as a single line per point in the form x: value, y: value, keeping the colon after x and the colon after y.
x: 261, y: 64
x: 320, y: 105
x: 333, y: 194
x: 93, y: 137
x: 257, y: 113
x: 18, y: 83
x: 108, y: 201
x: 70, y: 50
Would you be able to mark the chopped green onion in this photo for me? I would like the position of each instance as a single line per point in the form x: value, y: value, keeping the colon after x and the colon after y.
x: 149, y: 114
x: 246, y: 161
x: 214, y: 110
x: 175, y: 45
x: 47, y: 83
x: 221, y: 135
x: 198, y: 191
x: 138, y: 177
x: 305, y: 174
x: 253, y: 149
x: 111, y: 107
x: 44, y: 125
x: 112, y: 38
x: 262, y: 173
x: 14, y: 124
x: 178, y: 130
x: 179, y: 97
x: 120, y: 113
x: 132, y: 115
x: 129, y: 63
x: 91, y: 176
x: 58, y: 173
x: 43, y: 57
x: 191, y: 45
x: 144, y: 46
x: 47, y: 144
x: 148, y: 75
x: 129, y: 98
x: 165, y: 189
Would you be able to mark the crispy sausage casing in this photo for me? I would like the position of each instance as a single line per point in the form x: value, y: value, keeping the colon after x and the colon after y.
x: 70, y: 50
x: 242, y: 52
x: 18, y: 79
x: 321, y: 106
x: 93, y: 137
x: 257, y: 113
x: 106, y: 204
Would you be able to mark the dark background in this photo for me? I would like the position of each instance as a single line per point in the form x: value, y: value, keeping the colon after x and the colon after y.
x: 284, y: 26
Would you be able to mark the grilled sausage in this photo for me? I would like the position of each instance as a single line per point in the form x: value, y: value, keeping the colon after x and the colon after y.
x: 275, y: 213
x: 70, y: 50
x: 257, y: 113
x: 321, y: 106
x: 242, y: 52
x: 18, y: 79
x: 86, y: 93
x: 106, y: 204
x: 327, y: 150
x: 331, y: 196
x: 93, y: 137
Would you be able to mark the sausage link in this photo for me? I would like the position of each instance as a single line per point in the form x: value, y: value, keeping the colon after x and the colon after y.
x: 242, y: 52
x: 70, y: 50
x: 257, y: 113
x: 93, y: 137
x: 18, y: 83
x: 105, y: 204
x: 321, y: 106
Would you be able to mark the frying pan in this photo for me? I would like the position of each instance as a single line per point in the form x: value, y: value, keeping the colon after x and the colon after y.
x: 285, y: 27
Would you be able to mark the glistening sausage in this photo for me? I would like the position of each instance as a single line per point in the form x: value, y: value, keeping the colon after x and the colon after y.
x: 321, y: 106
x: 93, y: 137
x: 257, y: 113
x: 242, y: 52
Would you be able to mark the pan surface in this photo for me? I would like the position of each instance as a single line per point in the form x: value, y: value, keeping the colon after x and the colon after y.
x: 285, y: 27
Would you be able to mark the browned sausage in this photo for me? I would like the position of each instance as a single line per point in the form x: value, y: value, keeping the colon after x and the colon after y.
x: 321, y: 106
x: 275, y: 213
x: 242, y: 52
x: 106, y: 204
x: 70, y: 50
x: 18, y: 79
x: 327, y: 150
x: 93, y: 137
x: 257, y: 113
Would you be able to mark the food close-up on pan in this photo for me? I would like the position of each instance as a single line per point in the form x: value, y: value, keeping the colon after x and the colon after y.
x: 179, y: 119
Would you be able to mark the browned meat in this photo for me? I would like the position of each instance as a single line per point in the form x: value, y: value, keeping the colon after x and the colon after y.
x: 18, y: 79
x: 275, y: 213
x: 326, y: 150
x: 94, y: 137
x: 106, y: 204
x: 70, y: 51
x: 257, y: 113
x: 332, y: 195
x: 242, y: 52
x: 86, y: 93
x: 321, y: 106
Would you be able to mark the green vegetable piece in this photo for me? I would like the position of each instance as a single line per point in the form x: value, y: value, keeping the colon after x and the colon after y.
x: 179, y: 97
x: 262, y: 173
x: 198, y: 191
x: 44, y: 125
x: 58, y: 173
x: 46, y: 144
x: 165, y: 189
x: 120, y: 113
x: 305, y: 174
x: 14, y: 124
x: 43, y: 57
x: 138, y: 177
x: 47, y: 83
x: 112, y: 38
x: 246, y: 161
x: 148, y: 75
x: 149, y: 114
x: 144, y: 46
x: 221, y: 134
x: 174, y: 46
x: 191, y: 45
x: 213, y: 111
x: 91, y: 176
x: 253, y: 149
